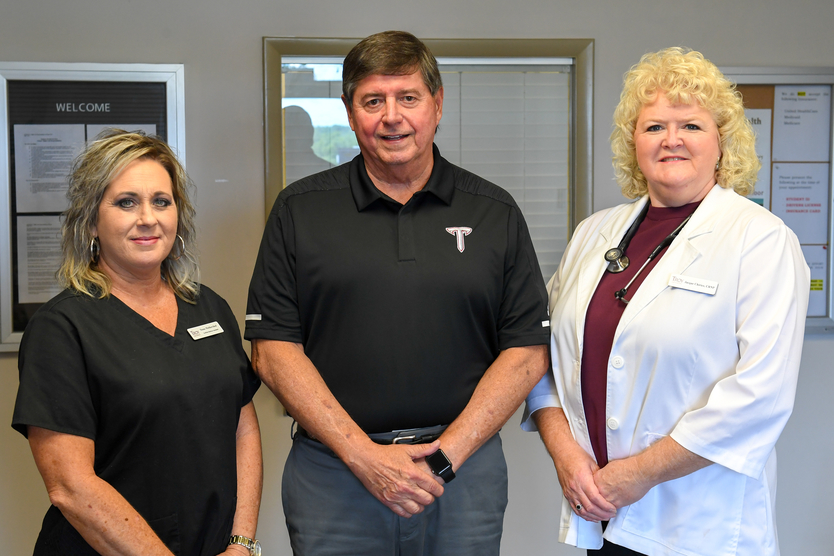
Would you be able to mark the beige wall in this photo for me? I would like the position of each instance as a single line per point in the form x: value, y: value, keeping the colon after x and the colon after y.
x: 220, y: 45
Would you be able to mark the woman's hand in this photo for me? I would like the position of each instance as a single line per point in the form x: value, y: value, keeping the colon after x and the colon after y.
x: 621, y: 482
x: 576, y: 470
x: 574, y: 466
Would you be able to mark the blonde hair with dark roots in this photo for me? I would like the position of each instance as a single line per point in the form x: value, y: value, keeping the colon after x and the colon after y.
x: 94, y: 169
x: 686, y: 77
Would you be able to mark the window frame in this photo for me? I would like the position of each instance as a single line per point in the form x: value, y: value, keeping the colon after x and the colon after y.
x: 580, y: 179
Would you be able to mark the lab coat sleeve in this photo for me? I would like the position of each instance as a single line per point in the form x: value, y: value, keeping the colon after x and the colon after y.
x: 747, y: 409
x: 542, y: 395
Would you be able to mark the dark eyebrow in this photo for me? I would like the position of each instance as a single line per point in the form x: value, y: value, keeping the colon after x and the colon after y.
x: 154, y: 194
x: 402, y: 92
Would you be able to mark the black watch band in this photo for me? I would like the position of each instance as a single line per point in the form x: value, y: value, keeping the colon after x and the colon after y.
x: 441, y: 466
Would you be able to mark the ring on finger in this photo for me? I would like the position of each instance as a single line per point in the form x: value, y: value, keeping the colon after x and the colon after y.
x: 578, y: 507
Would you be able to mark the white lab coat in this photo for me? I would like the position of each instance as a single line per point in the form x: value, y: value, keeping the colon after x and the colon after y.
x: 717, y: 372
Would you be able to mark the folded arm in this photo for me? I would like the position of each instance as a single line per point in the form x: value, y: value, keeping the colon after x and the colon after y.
x: 625, y: 481
x: 575, y: 468
x: 388, y: 472
x: 499, y: 393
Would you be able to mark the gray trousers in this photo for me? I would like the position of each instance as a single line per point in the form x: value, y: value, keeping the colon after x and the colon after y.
x: 330, y: 513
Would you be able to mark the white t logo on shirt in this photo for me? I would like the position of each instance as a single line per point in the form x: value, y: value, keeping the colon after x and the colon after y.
x: 460, y: 232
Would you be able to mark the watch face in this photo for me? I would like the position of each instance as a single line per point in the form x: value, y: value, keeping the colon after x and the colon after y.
x: 257, y: 549
x: 438, y: 462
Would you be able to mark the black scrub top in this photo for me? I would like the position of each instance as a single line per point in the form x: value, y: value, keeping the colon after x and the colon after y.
x: 163, y: 411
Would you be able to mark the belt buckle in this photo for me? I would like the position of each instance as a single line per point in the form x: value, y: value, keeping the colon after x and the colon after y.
x: 404, y: 439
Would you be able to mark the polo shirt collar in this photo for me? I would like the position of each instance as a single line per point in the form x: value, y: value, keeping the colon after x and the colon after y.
x: 441, y: 183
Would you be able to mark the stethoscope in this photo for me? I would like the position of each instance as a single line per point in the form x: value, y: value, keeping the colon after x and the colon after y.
x: 617, y: 260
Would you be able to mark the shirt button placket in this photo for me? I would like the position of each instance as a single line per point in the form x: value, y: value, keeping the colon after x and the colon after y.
x: 405, y: 231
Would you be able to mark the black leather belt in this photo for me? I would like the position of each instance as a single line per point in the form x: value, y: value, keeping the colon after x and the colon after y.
x: 424, y: 435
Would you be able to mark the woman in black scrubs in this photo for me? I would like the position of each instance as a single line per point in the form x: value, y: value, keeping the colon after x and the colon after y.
x: 135, y: 392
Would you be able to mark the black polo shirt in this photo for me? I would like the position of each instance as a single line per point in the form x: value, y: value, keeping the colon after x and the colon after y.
x: 401, y: 308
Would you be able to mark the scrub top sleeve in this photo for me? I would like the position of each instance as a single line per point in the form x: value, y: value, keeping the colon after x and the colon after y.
x: 523, y: 319
x: 272, y: 310
x: 54, y: 392
x: 746, y: 411
x: 250, y: 380
x: 251, y: 383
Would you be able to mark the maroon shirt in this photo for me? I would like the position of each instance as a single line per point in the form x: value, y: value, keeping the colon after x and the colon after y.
x: 604, y: 314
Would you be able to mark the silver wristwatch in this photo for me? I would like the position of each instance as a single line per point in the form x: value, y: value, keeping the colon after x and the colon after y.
x: 253, y: 546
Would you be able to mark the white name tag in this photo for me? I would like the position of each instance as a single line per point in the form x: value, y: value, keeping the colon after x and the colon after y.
x: 693, y: 284
x: 253, y: 316
x: 205, y: 330
x: 545, y: 323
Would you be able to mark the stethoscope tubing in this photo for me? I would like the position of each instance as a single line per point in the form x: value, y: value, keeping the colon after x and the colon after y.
x: 621, y: 262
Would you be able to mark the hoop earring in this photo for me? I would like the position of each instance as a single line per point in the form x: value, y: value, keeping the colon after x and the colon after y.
x: 182, y: 250
x: 95, y: 250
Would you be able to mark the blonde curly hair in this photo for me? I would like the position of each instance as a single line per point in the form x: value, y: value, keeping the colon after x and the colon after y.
x: 94, y: 169
x: 685, y: 76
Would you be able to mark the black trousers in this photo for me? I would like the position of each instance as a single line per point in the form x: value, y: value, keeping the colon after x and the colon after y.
x: 611, y: 549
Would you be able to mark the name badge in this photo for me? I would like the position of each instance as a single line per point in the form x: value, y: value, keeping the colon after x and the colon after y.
x: 693, y: 284
x: 205, y: 330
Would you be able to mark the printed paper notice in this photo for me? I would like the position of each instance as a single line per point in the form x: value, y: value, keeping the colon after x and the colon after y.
x: 43, y: 156
x: 800, y: 198
x: 817, y: 258
x: 38, y: 257
x: 801, y: 123
x: 760, y: 120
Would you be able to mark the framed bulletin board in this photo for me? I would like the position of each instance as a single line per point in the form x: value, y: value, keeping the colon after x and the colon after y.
x: 791, y: 111
x: 49, y: 112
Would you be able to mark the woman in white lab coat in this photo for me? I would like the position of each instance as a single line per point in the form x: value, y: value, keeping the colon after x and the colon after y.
x: 677, y: 325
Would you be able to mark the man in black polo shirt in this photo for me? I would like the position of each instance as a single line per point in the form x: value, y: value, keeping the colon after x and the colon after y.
x: 398, y: 312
